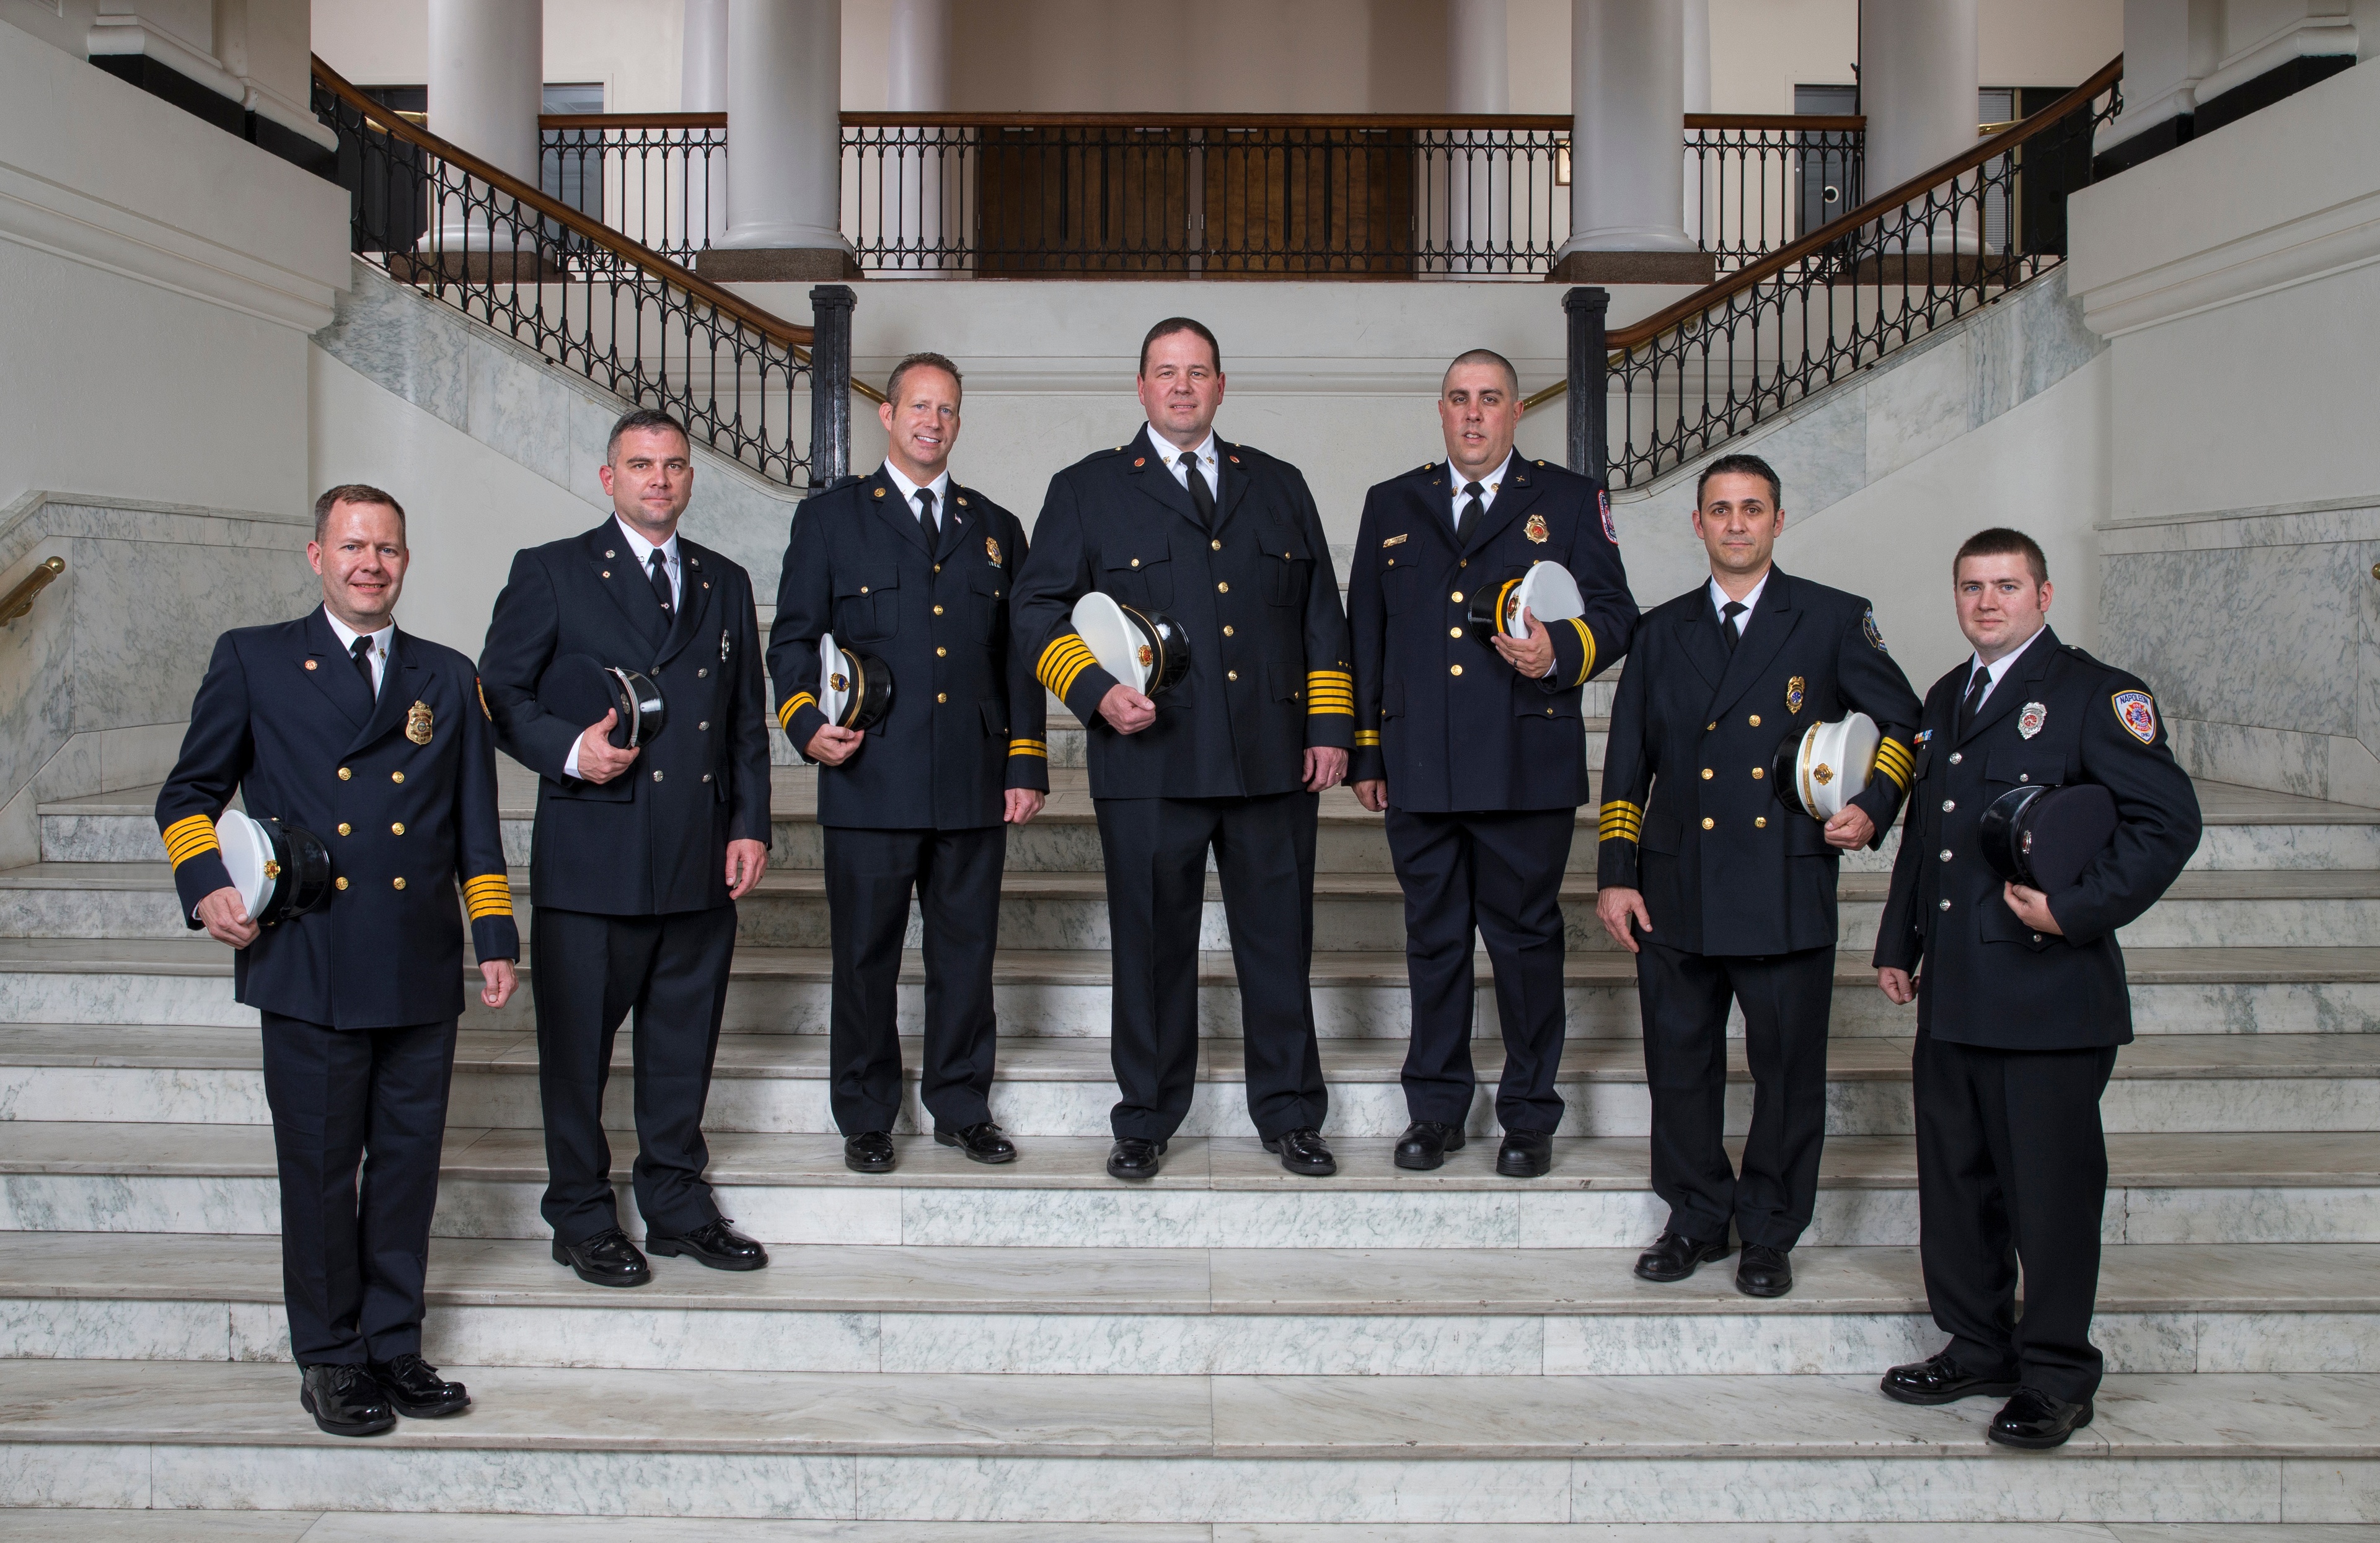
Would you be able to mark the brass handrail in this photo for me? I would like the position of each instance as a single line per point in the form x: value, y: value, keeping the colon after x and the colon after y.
x: 20, y: 598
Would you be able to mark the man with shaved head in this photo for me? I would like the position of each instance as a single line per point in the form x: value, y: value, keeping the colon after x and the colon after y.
x: 1476, y: 747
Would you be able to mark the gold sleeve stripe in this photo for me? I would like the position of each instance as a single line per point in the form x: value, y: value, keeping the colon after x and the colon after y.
x: 1367, y: 738
x: 1322, y: 707
x: 793, y: 704
x: 1316, y: 680
x: 1587, y: 641
x: 1620, y: 820
x: 1892, y: 760
x: 188, y: 836
x: 489, y: 894
x: 1062, y: 663
x: 1029, y: 747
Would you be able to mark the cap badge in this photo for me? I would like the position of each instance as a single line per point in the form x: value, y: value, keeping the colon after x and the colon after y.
x: 991, y: 550
x: 1535, y: 528
x: 1146, y: 656
x: 2137, y: 711
x: 1822, y: 773
x: 2029, y: 721
x: 839, y: 681
x: 1793, y: 695
x: 416, y: 723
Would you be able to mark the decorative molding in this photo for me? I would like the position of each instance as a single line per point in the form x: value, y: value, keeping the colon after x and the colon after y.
x: 2297, y: 251
x: 116, y: 35
x: 2316, y: 37
x: 2261, y: 511
x: 40, y: 213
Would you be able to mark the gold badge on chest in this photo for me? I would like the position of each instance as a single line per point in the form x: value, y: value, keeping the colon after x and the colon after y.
x: 991, y: 550
x: 1793, y: 695
x: 1535, y: 528
x: 416, y: 723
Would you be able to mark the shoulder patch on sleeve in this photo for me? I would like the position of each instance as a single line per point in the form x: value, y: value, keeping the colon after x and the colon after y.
x: 1603, y: 503
x: 1874, y: 637
x: 2137, y: 711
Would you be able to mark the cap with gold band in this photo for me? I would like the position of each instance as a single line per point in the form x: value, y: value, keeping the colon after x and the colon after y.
x: 281, y: 871
x: 1145, y: 650
x: 1820, y: 770
x: 580, y: 688
x: 855, y: 689
x: 1546, y: 591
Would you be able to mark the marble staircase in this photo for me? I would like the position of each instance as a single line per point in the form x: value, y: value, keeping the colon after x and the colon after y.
x: 1228, y: 1354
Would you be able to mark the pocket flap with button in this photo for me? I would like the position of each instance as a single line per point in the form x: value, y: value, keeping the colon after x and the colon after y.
x: 1137, y: 556
x: 989, y: 581
x: 1288, y: 682
x: 1392, y: 699
x: 1283, y: 543
x: 2026, y: 767
x: 995, y: 719
x: 865, y: 581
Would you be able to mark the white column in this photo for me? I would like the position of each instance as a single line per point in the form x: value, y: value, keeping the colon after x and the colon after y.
x: 487, y: 81
x: 785, y: 102
x: 698, y: 211
x: 1627, y: 91
x: 922, y: 197
x: 1701, y: 181
x: 1918, y: 67
x: 1478, y: 181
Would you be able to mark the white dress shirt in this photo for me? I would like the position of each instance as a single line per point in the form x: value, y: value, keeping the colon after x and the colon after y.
x: 939, y: 487
x: 1720, y: 600
x: 1487, y: 486
x: 1998, y: 670
x: 379, y: 641
x: 642, y: 550
x: 1209, y: 466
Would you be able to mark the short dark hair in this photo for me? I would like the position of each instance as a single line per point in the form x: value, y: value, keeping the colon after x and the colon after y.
x: 1484, y: 356
x: 2001, y: 541
x: 927, y: 360
x: 352, y: 492
x: 1172, y: 324
x: 643, y: 417
x: 1743, y: 465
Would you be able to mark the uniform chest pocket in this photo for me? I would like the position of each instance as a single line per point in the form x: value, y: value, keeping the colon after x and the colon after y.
x: 1141, y: 577
x: 1398, y: 584
x: 990, y: 590
x: 2025, y: 768
x: 1285, y: 553
x: 867, y: 604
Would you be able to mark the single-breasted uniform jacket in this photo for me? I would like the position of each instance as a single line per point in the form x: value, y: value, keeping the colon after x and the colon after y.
x: 403, y: 792
x: 967, y: 718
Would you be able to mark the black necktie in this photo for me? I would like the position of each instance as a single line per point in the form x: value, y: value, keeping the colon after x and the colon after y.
x: 1728, y: 625
x: 658, y: 569
x: 1472, y: 509
x: 363, y: 652
x: 1974, y: 702
x: 926, y: 514
x: 1202, y: 498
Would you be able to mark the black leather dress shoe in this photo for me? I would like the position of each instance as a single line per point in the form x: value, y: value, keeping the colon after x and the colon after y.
x: 1763, y: 1271
x: 1674, y: 1255
x: 2038, y: 1422
x: 1302, y: 1150
x: 983, y: 1142
x: 1135, y: 1159
x: 1426, y: 1143
x: 1940, y: 1379
x: 1526, y: 1155
x: 868, y: 1152
x: 417, y: 1391
x: 714, y: 1244
x: 345, y: 1401
x: 606, y: 1260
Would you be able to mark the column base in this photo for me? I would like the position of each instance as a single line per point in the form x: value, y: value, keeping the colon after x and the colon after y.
x: 1601, y: 267
x: 776, y: 265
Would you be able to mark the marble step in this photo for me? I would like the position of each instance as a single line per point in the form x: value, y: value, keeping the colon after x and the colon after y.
x: 2215, y: 1309
x: 2179, y: 1447
x: 778, y: 1083
x: 1045, y: 993
x: 333, y: 1527
x: 1214, y: 1192
x: 2246, y: 828
x: 1352, y: 912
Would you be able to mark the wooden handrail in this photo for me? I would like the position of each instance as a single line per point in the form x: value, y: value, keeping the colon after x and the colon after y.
x: 1820, y: 122
x: 20, y: 599
x: 1869, y: 212
x: 389, y: 122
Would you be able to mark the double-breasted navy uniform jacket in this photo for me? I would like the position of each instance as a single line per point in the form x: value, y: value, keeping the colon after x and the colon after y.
x: 403, y: 792
x: 1437, y: 712
x: 1988, y: 979
x: 968, y: 719
x: 654, y: 839
x: 1256, y: 596
x: 1690, y: 816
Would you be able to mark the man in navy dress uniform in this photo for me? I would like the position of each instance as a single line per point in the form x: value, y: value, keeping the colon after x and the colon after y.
x: 1478, y: 753
x: 374, y: 740
x: 641, y: 852
x: 1225, y: 540
x: 915, y: 570
x: 1724, y: 893
x: 2021, y: 995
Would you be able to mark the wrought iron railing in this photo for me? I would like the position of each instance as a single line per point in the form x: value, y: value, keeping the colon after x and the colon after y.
x: 1649, y: 397
x: 1755, y: 182
x: 591, y: 299
x: 659, y: 178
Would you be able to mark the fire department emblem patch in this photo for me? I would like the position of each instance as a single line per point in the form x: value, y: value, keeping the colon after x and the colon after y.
x: 2137, y: 711
x: 1603, y: 501
x: 1535, y: 528
x: 1875, y: 638
x: 2029, y: 721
